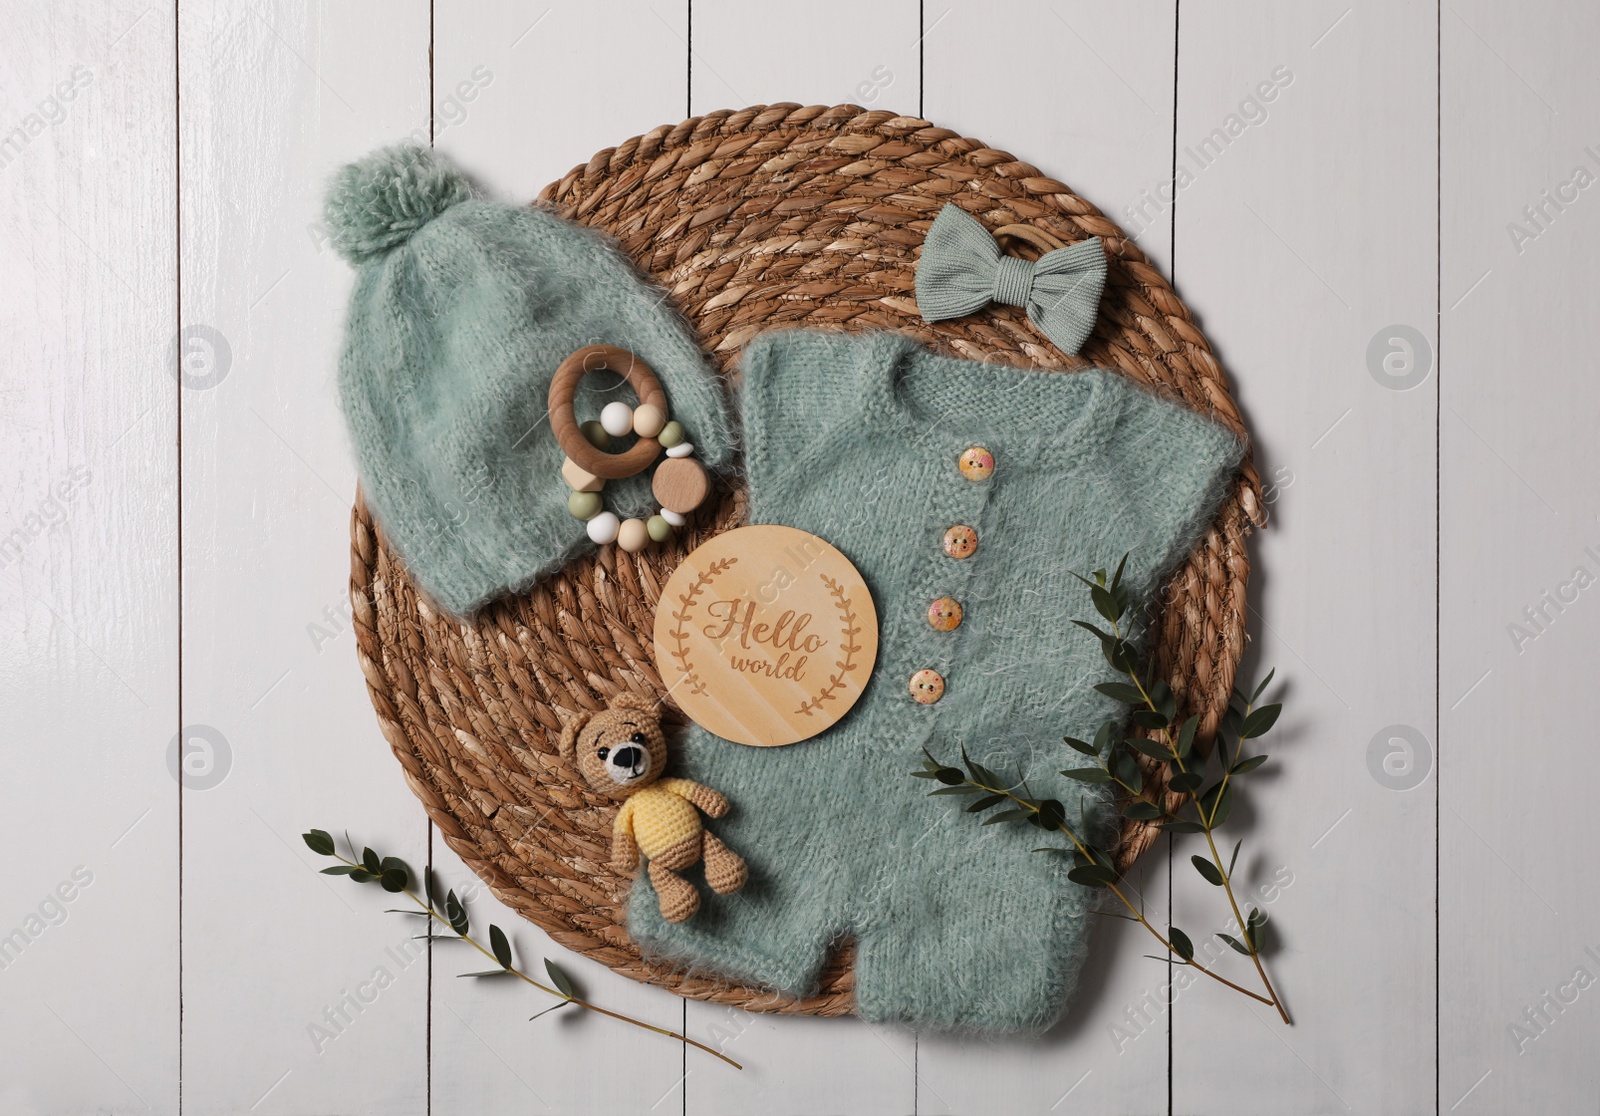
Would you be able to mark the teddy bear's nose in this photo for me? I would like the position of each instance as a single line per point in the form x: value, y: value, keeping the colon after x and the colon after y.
x: 628, y: 757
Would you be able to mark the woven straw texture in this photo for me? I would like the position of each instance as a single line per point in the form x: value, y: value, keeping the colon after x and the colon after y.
x: 779, y: 215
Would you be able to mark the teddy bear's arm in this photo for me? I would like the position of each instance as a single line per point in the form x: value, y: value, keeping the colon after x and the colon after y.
x: 714, y: 803
x: 624, y: 849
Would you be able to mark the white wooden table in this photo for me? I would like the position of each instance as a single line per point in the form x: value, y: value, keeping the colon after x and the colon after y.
x: 1394, y: 257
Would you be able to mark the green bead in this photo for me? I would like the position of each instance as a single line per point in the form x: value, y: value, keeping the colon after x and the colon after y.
x: 660, y: 530
x: 598, y: 438
x: 584, y: 505
x: 671, y: 434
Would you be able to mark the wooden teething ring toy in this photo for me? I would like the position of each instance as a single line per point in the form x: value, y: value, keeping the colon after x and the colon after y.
x: 564, y: 385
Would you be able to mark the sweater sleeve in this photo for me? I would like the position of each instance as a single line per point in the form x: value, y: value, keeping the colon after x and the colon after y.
x: 1164, y: 470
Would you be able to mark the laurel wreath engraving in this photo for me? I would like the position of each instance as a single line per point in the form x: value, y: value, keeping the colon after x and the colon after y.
x: 680, y: 636
x: 849, y: 647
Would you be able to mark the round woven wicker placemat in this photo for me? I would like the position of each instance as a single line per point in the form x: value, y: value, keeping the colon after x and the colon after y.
x: 769, y: 216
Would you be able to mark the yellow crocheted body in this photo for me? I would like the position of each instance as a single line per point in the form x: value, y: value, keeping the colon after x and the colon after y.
x: 660, y: 816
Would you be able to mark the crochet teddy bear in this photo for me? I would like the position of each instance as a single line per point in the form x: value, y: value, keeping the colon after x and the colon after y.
x: 621, y: 752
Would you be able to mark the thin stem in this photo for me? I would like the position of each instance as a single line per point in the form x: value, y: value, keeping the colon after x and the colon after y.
x: 1138, y: 914
x: 525, y: 978
x: 1206, y: 825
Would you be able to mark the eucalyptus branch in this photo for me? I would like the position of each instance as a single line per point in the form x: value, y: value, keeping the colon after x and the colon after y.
x: 393, y: 876
x: 1153, y: 707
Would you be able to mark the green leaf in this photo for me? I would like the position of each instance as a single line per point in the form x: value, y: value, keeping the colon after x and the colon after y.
x: 559, y: 979
x: 1092, y: 875
x: 964, y: 788
x: 1181, y: 945
x: 1149, y: 719
x: 1234, y: 859
x: 548, y: 1010
x: 1088, y: 775
x: 950, y: 776
x: 1105, y: 735
x: 339, y: 870
x: 500, y: 947
x: 1185, y: 782
x: 1008, y: 816
x: 1238, y: 946
x: 1263, y: 685
x: 370, y: 861
x: 1259, y: 721
x: 487, y: 973
x: 1152, y: 748
x: 1121, y: 691
x: 1127, y: 769
x: 980, y: 773
x: 1184, y: 826
x: 985, y: 802
x: 1051, y: 814
x: 361, y: 875
x: 394, y: 879
x: 457, y: 914
x: 1140, y: 810
x: 1162, y: 697
x: 914, y: 775
x: 1256, y: 918
x: 1208, y: 870
x: 1103, y: 637
x: 390, y: 862
x: 1080, y: 746
x: 1217, y: 803
x: 1106, y: 604
x: 1232, y: 721
x: 1249, y: 764
x: 1186, y: 734
x: 318, y: 842
x: 1116, y: 579
x: 1122, y: 657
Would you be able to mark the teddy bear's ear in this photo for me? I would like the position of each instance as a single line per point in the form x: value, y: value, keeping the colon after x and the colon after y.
x: 627, y: 699
x: 569, y: 736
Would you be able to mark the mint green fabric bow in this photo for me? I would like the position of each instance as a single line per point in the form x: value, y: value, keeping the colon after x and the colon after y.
x: 963, y: 269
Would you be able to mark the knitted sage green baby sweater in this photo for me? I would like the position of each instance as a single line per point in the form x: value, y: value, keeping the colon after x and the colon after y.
x: 856, y: 438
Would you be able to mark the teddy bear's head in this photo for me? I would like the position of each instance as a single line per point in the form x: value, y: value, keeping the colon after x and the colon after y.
x: 618, y: 750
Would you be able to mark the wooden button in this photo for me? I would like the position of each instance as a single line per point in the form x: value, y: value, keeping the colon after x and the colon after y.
x: 944, y: 614
x: 927, y: 687
x: 977, y: 464
x: 680, y: 484
x: 959, y: 542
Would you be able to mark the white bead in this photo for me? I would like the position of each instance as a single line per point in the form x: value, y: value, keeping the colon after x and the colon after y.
x: 616, y: 418
x: 682, y: 449
x: 673, y: 517
x: 603, y: 528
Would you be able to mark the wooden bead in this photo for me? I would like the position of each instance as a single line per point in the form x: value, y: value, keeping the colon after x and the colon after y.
x: 579, y: 479
x: 660, y: 530
x: 648, y: 420
x: 680, y: 484
x: 671, y: 434
x: 617, y: 418
x: 598, y: 438
x: 603, y: 528
x: 584, y: 505
x: 633, y: 536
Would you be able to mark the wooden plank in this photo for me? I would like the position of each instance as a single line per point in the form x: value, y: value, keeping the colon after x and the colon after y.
x: 88, y: 564
x: 1083, y: 92
x: 1518, y: 543
x: 1305, y: 240
x: 832, y: 52
x: 299, y: 995
x: 544, y: 100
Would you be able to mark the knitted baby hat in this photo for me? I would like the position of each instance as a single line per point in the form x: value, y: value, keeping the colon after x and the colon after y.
x: 461, y: 312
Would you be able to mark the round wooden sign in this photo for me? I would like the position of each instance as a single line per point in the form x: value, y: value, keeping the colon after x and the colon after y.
x: 766, y: 635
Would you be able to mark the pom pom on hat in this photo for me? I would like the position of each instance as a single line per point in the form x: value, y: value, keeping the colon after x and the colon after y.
x: 377, y: 202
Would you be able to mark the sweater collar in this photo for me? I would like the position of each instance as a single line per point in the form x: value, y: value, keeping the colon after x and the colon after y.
x: 1049, y: 417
